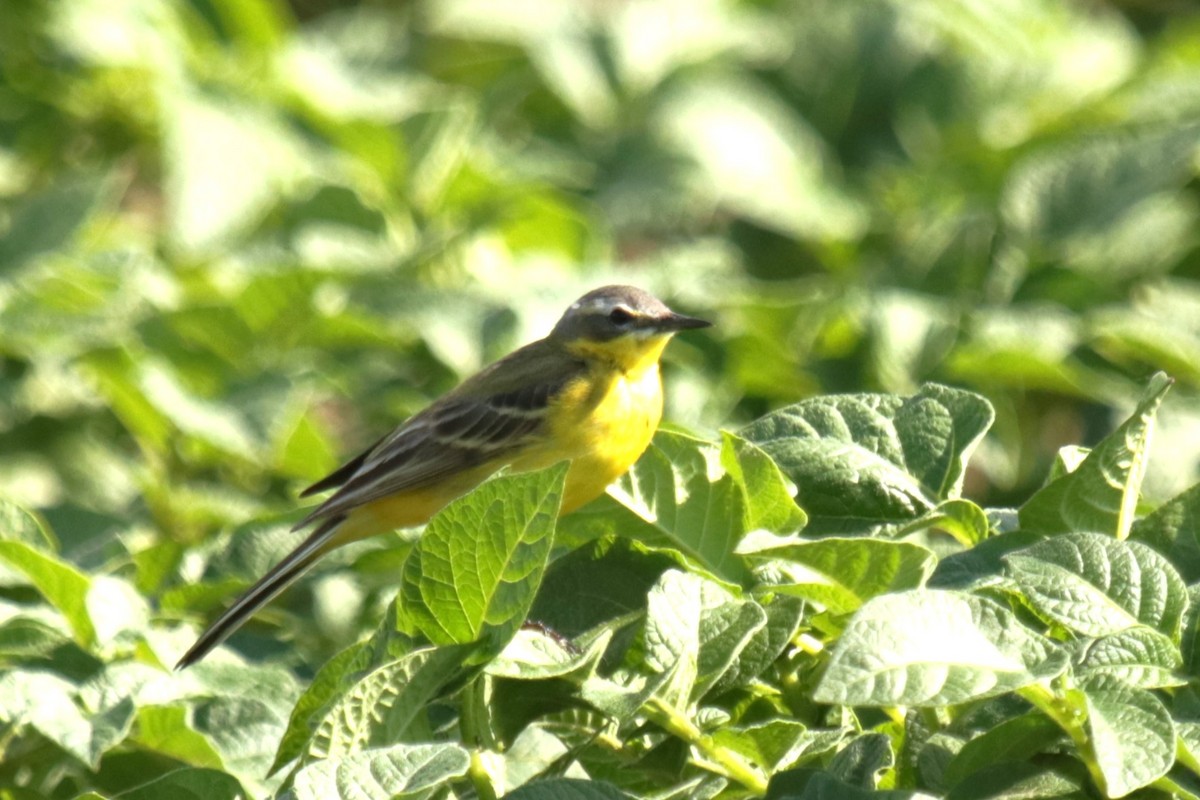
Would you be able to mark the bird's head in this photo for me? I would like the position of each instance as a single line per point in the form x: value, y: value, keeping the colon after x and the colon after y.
x: 623, y: 324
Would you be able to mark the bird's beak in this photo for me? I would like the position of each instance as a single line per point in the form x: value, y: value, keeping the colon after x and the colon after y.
x: 678, y: 322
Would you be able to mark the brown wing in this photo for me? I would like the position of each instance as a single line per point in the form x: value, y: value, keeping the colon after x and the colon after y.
x: 491, y: 415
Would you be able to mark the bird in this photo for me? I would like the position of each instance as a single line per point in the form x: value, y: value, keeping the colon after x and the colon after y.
x: 589, y: 393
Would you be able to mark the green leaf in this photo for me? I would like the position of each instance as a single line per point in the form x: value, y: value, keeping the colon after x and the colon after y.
x: 596, y: 583
x: 1140, y: 657
x: 678, y: 496
x: 622, y: 695
x: 378, y: 709
x: 243, y: 730
x: 475, y: 571
x: 861, y: 761
x: 696, y: 629
x: 1101, y: 494
x: 784, y: 616
x: 321, y: 691
x: 777, y: 743
x: 1189, y: 644
x: 382, y: 772
x: 114, y: 608
x: 189, y: 783
x: 534, y: 655
x: 48, y: 703
x: 568, y: 789
x: 839, y: 574
x: 20, y: 525
x: 1021, y: 781
x: 1097, y: 585
x: 962, y: 519
x: 929, y: 648
x: 165, y: 729
x: 1014, y: 740
x: 62, y: 585
x: 860, y: 461
x: 1132, y: 735
x: 47, y: 221
x: 983, y: 564
x: 807, y: 784
x: 769, y: 502
x: 1173, y: 529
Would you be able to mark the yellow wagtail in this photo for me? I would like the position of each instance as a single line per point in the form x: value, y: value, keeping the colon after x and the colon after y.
x: 589, y: 393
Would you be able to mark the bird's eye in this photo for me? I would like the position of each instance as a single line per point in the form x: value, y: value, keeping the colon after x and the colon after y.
x: 620, y: 315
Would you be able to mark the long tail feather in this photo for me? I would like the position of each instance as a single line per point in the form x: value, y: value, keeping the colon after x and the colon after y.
x: 262, y: 592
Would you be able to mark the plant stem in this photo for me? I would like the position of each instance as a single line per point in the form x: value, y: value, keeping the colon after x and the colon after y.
x: 1165, y: 784
x: 720, y: 759
x: 1184, y: 757
x: 480, y: 778
x: 1072, y: 723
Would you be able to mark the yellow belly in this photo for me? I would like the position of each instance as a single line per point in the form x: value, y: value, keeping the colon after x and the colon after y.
x: 601, y: 424
x: 612, y: 420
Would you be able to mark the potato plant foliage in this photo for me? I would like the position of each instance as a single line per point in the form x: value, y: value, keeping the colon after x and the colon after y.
x: 806, y: 607
x: 241, y: 239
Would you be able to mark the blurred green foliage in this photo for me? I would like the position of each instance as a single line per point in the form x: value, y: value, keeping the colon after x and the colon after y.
x: 236, y: 245
x: 239, y: 239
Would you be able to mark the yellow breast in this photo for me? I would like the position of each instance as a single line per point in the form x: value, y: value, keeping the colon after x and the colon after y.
x: 603, y: 422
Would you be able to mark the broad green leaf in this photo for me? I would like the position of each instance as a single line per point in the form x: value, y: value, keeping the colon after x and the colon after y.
x: 45, y: 222
x: 321, y: 691
x: 1097, y: 585
x: 962, y: 519
x: 165, y: 729
x: 379, y: 708
x: 981, y: 565
x: 1014, y: 740
x: 189, y: 783
x: 677, y: 497
x: 839, y: 574
x: 809, y: 784
x: 860, y: 461
x: 596, y: 583
x: 777, y: 743
x: 1132, y: 735
x: 1022, y: 781
x: 695, y: 629
x: 784, y: 615
x: 115, y: 607
x: 568, y: 789
x: 20, y: 525
x: 474, y: 573
x: 931, y: 648
x: 861, y: 761
x: 769, y: 503
x: 535, y: 655
x: 1101, y: 494
x: 623, y: 694
x: 1173, y: 529
x: 1140, y: 657
x: 28, y: 637
x: 1189, y: 644
x: 63, y: 586
x: 244, y: 731
x: 48, y: 703
x: 381, y: 772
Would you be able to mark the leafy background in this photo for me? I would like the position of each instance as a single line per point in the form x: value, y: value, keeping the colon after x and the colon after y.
x: 239, y: 239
